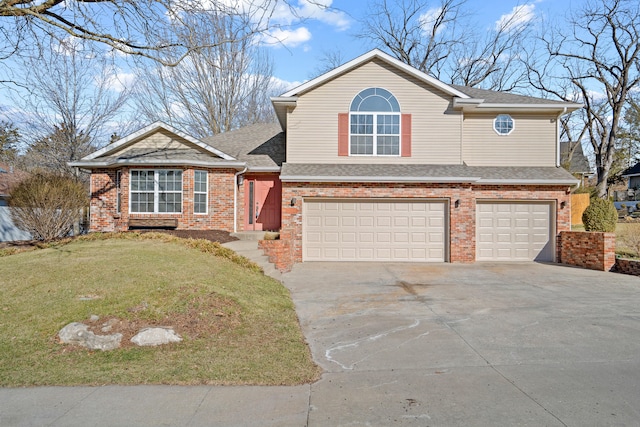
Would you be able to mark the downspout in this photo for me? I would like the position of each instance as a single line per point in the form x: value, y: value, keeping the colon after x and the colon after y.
x: 235, y: 199
x: 564, y: 111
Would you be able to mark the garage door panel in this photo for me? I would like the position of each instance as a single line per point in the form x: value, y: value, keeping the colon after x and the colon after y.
x: 374, y: 231
x: 366, y: 221
x: 514, y: 231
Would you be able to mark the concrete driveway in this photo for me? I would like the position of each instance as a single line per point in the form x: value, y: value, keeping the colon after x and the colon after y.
x: 479, y: 344
x: 406, y: 344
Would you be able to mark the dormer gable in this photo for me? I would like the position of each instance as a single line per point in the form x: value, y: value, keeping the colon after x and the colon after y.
x: 157, y: 144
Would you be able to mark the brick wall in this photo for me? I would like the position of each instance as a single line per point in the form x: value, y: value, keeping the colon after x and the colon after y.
x: 462, y: 246
x: 279, y: 253
x: 627, y: 266
x: 595, y: 251
x: 104, y: 215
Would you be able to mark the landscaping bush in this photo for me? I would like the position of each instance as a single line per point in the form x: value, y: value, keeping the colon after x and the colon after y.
x: 600, y: 215
x: 47, y: 205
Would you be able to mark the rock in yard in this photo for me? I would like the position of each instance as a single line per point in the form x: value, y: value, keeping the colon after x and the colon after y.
x: 155, y: 336
x: 79, y: 333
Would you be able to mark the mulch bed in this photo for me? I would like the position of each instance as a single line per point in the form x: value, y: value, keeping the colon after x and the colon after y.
x: 212, y: 235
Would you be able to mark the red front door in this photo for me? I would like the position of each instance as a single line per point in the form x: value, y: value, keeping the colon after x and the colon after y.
x: 262, y: 202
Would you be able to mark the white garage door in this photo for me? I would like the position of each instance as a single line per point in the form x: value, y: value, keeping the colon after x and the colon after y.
x: 374, y: 231
x: 514, y: 231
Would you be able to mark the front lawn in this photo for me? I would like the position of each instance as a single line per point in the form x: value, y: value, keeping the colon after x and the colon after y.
x: 238, y: 325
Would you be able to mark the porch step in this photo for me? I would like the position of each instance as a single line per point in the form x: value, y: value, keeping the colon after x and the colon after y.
x: 249, y: 249
x: 248, y: 235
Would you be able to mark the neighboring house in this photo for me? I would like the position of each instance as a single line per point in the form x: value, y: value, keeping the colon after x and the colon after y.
x: 373, y: 161
x: 9, y: 177
x: 633, y: 175
x: 579, y: 164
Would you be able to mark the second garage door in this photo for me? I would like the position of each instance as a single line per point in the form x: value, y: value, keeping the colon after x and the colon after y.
x: 374, y: 230
x: 514, y: 231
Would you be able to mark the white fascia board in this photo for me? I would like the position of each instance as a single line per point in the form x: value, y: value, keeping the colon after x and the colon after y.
x: 286, y: 101
x: 375, y: 53
x: 303, y: 178
x: 479, y: 104
x: 467, y: 103
x: 125, y: 162
x: 263, y: 169
x: 565, y: 108
x: 280, y: 105
x: 150, y: 129
x: 490, y: 181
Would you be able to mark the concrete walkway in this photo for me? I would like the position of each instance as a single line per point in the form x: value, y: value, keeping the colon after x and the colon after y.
x: 412, y: 344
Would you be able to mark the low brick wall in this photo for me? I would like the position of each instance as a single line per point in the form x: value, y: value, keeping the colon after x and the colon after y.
x: 627, y: 266
x: 595, y: 251
x: 279, y: 253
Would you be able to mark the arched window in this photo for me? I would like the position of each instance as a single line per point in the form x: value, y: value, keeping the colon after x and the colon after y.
x: 374, y: 123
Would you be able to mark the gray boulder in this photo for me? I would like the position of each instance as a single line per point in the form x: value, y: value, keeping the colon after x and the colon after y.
x: 79, y: 334
x: 155, y: 336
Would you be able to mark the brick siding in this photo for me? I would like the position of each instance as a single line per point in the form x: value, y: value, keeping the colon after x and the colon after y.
x: 595, y: 251
x: 104, y: 215
x: 462, y: 243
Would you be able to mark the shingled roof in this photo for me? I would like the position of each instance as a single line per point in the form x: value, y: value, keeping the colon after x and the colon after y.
x: 579, y: 162
x: 426, y: 173
x: 494, y: 97
x: 261, y: 145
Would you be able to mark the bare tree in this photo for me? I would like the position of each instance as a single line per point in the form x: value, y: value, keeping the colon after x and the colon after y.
x: 214, y: 89
x: 71, y: 101
x: 598, y: 53
x: 9, y: 140
x: 328, y: 60
x: 442, y: 40
x: 146, y: 28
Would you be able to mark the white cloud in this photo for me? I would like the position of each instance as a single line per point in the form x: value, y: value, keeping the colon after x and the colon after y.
x: 428, y: 20
x: 322, y: 11
x: 118, y: 80
x: 288, y: 38
x: 518, y: 17
x: 282, y: 86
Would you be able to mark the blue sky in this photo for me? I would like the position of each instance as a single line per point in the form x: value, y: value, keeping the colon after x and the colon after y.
x: 336, y: 29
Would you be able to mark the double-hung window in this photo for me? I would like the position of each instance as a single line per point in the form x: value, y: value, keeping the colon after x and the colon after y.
x: 155, y: 191
x: 374, y: 124
x: 200, y: 191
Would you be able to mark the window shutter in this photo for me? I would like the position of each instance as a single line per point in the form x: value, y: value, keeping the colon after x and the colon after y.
x: 406, y: 135
x: 343, y: 134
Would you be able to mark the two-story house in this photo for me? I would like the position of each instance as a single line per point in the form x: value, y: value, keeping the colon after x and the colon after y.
x: 373, y: 161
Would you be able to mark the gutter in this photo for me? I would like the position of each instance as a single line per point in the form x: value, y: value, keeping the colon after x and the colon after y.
x: 435, y: 180
x: 333, y: 178
x: 558, y: 162
x: 126, y: 162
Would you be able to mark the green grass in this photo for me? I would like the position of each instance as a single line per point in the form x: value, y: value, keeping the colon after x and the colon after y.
x: 239, y: 326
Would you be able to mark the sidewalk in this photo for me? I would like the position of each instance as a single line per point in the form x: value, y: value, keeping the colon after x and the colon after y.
x: 136, y: 406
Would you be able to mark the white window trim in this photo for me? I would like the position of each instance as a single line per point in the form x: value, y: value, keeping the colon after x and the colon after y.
x: 206, y: 192
x: 375, y: 133
x: 513, y: 125
x: 118, y: 191
x: 156, y: 192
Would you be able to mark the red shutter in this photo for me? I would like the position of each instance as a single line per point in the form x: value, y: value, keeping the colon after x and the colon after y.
x: 406, y: 136
x: 343, y: 134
